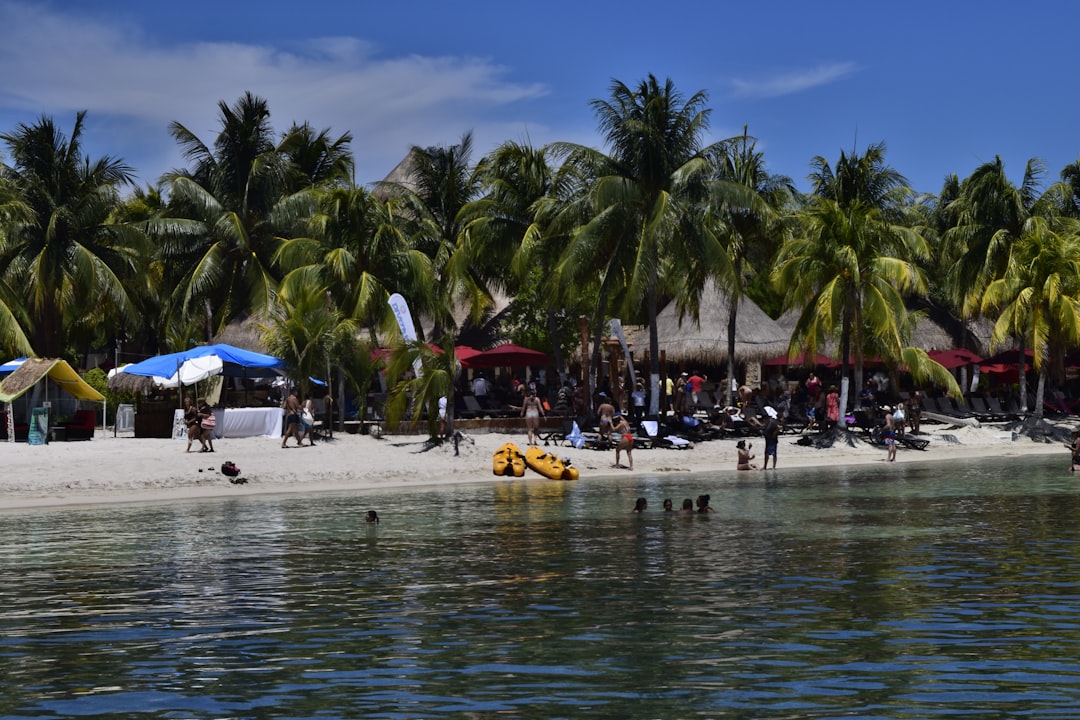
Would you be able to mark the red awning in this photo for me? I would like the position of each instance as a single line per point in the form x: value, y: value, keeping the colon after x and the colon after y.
x: 950, y: 359
x: 508, y: 355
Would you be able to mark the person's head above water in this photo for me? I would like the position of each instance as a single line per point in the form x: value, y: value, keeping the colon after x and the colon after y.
x: 641, y: 504
x: 372, y: 517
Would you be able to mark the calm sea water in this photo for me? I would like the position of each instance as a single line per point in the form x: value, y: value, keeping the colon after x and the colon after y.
x: 908, y: 591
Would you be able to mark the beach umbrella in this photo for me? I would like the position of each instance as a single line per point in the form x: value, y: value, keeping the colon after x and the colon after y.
x: 800, y: 359
x: 12, y: 365
x: 508, y: 355
x: 950, y: 359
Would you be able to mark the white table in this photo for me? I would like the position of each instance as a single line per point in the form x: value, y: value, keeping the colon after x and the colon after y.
x: 238, y: 422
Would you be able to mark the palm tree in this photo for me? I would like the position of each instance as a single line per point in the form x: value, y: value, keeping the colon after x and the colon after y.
x: 1037, y: 298
x: 229, y: 213
x: 59, y: 244
x: 849, y: 271
x: 510, y: 240
x: 991, y: 214
x: 304, y: 332
x: 868, y: 181
x: 13, y: 213
x: 357, y: 249
x: 420, y: 392
x: 645, y: 201
x: 316, y: 159
x: 748, y: 200
x: 440, y: 185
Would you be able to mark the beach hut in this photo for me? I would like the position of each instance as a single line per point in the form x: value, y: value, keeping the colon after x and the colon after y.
x: 53, y: 387
x: 705, y: 342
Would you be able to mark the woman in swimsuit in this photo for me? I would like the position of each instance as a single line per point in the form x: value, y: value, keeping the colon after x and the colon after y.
x: 532, y: 410
x: 744, y: 456
x: 624, y: 440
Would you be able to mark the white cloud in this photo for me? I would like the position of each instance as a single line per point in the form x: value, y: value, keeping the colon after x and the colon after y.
x: 793, y: 82
x: 56, y: 64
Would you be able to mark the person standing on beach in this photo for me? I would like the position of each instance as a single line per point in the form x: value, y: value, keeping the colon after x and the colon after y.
x: 605, y: 411
x: 208, y: 422
x: 624, y: 441
x: 194, y: 427
x: 292, y: 421
x: 532, y: 410
x: 771, y: 434
x: 890, y: 434
x: 480, y: 389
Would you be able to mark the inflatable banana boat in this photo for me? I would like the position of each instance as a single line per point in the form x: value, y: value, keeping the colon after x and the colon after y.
x: 508, y: 461
x: 549, y: 466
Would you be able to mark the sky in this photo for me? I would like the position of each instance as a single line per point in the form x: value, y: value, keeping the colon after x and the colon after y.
x: 946, y: 85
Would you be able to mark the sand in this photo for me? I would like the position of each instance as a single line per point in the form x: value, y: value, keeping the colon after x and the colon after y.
x: 126, y: 469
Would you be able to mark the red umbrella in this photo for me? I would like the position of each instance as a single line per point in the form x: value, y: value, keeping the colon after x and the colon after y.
x: 800, y: 359
x: 508, y: 355
x: 950, y: 359
x: 464, y: 353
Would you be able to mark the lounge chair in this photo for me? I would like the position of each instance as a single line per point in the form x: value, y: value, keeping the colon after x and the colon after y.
x: 994, y: 405
x: 648, y: 436
x: 558, y: 436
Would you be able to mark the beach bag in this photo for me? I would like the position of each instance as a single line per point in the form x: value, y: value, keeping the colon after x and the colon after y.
x: 898, y: 416
x: 308, y: 420
x: 209, y: 422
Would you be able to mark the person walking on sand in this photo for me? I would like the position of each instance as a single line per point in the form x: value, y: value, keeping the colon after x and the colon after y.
x: 192, y: 421
x: 208, y: 423
x: 532, y: 410
x: 292, y: 421
x: 624, y: 441
x: 307, y: 420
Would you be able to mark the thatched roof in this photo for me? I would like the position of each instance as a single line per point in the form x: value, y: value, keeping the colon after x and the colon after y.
x: 402, y: 174
x: 33, y: 370
x: 123, y: 382
x: 928, y: 335
x: 757, y: 336
x: 245, y: 334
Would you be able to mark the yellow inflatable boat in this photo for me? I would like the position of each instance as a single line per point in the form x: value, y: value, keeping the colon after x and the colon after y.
x: 549, y: 466
x: 508, y: 461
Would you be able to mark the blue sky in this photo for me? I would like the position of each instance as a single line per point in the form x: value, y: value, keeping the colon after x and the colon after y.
x: 946, y: 85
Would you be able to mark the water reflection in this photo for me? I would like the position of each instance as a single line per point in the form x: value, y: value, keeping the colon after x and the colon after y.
x: 857, y: 592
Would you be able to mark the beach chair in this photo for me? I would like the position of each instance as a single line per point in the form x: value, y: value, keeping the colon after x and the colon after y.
x: 560, y: 435
x: 649, y: 437
x: 980, y: 409
x: 994, y: 405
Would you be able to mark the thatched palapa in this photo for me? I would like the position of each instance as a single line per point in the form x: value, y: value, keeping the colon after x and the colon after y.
x: 757, y: 336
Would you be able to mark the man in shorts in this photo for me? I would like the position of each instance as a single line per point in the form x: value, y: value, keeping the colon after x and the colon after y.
x: 771, y: 433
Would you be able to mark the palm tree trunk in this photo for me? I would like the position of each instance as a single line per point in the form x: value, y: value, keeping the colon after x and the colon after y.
x: 654, y: 354
x: 556, y: 345
x: 1040, y: 393
x: 1022, y: 379
x: 594, y: 365
x: 733, y: 312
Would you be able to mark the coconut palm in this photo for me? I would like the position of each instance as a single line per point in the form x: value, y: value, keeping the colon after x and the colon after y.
x: 645, y: 202
x: 511, y: 241
x: 229, y: 213
x: 419, y: 393
x: 440, y: 185
x: 304, y: 331
x: 749, y: 200
x: 1037, y: 297
x: 14, y: 213
x: 991, y: 214
x: 356, y: 248
x: 59, y: 245
x: 849, y: 271
x: 316, y: 159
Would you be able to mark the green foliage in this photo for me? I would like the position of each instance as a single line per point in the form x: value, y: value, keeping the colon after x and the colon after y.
x: 98, y: 380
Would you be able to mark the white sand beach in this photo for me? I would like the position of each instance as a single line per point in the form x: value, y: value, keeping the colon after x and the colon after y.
x: 126, y: 469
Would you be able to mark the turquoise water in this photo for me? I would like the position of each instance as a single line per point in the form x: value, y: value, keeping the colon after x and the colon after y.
x: 908, y: 591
